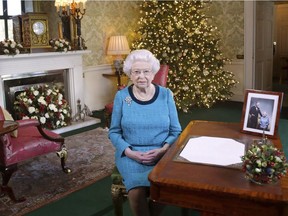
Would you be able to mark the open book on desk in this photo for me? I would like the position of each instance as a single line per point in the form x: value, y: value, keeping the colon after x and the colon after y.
x: 212, y: 151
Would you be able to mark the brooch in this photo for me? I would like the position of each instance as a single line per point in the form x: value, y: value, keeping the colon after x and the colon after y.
x: 128, y: 100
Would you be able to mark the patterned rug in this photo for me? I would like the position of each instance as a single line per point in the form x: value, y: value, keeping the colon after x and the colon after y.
x: 41, y: 180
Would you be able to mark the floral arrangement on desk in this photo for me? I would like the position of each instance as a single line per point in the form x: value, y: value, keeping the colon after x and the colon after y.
x: 45, y: 103
x: 264, y: 163
x: 9, y: 47
x: 60, y: 45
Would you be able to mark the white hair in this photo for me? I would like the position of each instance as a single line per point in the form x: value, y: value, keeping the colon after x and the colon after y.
x: 141, y: 55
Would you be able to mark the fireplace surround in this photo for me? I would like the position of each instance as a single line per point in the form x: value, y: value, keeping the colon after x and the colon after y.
x: 33, y: 63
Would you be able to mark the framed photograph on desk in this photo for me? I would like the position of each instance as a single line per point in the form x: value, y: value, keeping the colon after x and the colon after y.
x: 261, y: 112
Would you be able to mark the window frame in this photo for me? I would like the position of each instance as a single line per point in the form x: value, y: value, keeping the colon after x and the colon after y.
x: 6, y: 17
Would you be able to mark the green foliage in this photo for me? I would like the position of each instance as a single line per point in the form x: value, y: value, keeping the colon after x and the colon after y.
x: 179, y: 34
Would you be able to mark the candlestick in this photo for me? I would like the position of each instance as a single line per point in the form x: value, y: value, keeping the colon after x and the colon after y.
x: 60, y: 30
x: 75, y: 9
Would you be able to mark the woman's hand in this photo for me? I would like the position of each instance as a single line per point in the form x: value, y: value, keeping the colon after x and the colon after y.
x: 149, y: 157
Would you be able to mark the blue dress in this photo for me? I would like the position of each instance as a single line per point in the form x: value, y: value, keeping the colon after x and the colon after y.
x: 264, y: 123
x: 141, y: 126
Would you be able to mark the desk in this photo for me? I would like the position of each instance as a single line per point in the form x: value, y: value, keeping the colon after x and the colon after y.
x: 7, y: 126
x: 215, y: 190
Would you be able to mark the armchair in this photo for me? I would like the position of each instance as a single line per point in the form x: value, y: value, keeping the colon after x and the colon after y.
x: 118, y: 191
x: 31, y: 141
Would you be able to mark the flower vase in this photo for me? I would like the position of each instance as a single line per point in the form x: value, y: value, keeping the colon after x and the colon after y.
x: 263, y: 183
x: 256, y: 182
x: 263, y: 179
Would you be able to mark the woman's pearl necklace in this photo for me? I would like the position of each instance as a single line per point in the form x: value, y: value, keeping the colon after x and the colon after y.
x: 145, y: 96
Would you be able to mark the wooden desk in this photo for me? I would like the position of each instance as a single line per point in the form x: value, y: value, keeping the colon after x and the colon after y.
x: 215, y: 190
x: 7, y: 126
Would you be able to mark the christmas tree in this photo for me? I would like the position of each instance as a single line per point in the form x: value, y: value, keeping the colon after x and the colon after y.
x: 178, y: 33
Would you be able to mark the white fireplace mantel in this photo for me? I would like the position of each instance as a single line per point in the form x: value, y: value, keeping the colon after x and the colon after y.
x: 46, y: 61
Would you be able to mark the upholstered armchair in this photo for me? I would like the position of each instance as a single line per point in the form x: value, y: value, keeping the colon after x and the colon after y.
x: 118, y: 191
x: 30, y: 141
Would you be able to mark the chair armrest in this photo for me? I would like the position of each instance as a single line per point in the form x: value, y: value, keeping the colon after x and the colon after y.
x: 28, y: 122
x: 46, y: 136
x: 35, y: 123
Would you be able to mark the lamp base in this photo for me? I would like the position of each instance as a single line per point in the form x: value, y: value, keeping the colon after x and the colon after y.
x: 118, y: 64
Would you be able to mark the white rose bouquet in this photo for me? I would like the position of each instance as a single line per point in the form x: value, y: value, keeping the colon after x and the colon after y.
x: 45, y: 103
x: 60, y: 45
x: 9, y: 47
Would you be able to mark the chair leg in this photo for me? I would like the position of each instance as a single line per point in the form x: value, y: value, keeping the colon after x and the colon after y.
x: 117, y: 198
x: 63, y: 154
x: 5, y: 189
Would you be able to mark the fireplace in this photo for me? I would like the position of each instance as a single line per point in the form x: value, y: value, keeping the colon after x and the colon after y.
x: 45, y: 65
x: 14, y: 85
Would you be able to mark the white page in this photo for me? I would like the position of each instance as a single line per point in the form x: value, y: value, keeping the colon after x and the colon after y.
x: 213, y: 150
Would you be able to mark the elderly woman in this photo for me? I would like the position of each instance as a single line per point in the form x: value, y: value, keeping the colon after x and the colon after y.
x: 144, y: 124
x: 264, y: 122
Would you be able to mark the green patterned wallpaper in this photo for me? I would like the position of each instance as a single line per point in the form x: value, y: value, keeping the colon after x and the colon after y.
x: 228, y: 16
x: 106, y: 18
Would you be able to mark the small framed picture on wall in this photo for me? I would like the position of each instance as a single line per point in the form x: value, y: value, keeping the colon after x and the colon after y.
x: 261, y: 112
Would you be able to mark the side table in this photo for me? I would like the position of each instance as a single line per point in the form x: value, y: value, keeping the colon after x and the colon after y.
x: 118, y: 76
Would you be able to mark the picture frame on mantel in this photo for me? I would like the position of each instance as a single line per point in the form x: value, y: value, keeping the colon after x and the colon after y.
x: 261, y: 112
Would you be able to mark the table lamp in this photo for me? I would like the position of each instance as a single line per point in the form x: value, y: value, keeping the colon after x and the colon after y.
x: 118, y: 46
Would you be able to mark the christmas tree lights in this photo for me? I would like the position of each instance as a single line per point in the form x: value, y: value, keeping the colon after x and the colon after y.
x: 179, y: 34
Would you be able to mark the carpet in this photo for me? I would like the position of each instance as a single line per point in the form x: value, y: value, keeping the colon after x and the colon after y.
x: 41, y: 180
